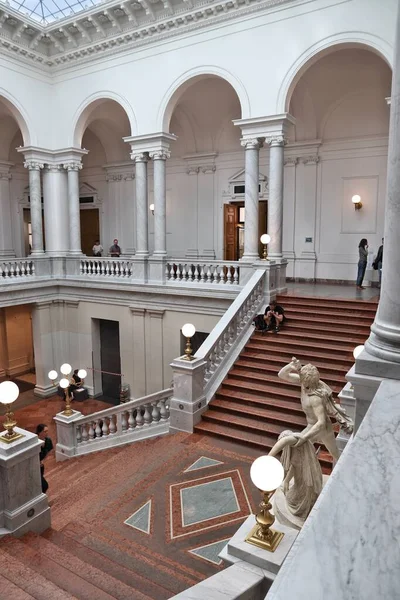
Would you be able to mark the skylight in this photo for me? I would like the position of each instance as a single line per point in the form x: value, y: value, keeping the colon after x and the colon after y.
x: 47, y: 11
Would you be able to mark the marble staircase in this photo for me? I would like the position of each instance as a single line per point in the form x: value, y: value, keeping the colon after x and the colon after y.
x: 253, y: 405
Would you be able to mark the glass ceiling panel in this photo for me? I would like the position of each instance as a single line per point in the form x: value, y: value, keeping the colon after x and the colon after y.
x: 47, y: 11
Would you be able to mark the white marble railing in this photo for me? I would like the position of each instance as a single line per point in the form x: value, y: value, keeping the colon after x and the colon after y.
x: 135, y: 420
x: 17, y: 268
x: 106, y: 267
x: 226, y: 340
x: 203, y: 272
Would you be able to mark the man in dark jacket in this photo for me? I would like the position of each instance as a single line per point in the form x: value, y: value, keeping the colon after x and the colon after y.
x: 377, y: 264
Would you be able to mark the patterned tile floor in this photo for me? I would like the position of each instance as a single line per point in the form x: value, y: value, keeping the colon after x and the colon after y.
x: 166, y: 505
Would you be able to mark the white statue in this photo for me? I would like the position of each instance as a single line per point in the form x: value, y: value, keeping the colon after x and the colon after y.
x: 318, y: 405
x: 303, y: 478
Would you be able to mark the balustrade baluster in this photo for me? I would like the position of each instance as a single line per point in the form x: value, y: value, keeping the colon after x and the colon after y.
x: 78, y: 434
x: 190, y: 273
x: 236, y: 275
x: 228, y: 274
x: 163, y: 411
x: 131, y: 419
x: 202, y: 273
x: 112, y: 426
x: 139, y: 417
x: 85, y: 433
x: 91, y: 431
x: 81, y: 267
x: 33, y: 268
x: 196, y: 272
x: 184, y: 272
x: 217, y: 274
x: 147, y: 415
x: 104, y: 428
x: 209, y: 274
x: 155, y: 413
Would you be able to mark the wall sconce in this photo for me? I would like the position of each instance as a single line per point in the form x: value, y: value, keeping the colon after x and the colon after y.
x: 188, y: 330
x: 267, y: 474
x: 9, y: 392
x: 356, y: 200
x: 151, y: 207
x: 265, y: 239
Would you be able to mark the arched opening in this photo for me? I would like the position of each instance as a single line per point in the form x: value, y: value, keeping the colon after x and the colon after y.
x: 106, y: 189
x: 342, y: 118
x: 201, y: 114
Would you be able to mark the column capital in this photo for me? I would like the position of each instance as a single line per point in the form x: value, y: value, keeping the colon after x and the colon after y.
x: 312, y: 159
x: 276, y: 140
x: 160, y: 154
x: 73, y: 165
x: 140, y: 157
x: 33, y: 165
x: 291, y: 161
x: 54, y: 168
x: 251, y: 143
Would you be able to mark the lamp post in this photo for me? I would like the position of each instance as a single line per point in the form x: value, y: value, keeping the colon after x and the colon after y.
x: 265, y: 239
x: 64, y: 383
x: 9, y: 392
x: 188, y: 331
x: 267, y: 474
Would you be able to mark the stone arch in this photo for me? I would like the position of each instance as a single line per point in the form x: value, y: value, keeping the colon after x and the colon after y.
x: 19, y: 114
x: 187, y: 79
x: 322, y: 48
x: 84, y: 111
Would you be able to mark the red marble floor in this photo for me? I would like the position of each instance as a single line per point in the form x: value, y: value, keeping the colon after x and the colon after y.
x: 92, y: 497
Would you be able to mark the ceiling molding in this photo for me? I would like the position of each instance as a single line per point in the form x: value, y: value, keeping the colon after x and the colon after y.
x: 114, y: 27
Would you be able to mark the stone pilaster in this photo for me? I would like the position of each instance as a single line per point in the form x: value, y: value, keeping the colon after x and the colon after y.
x: 35, y: 195
x: 73, y: 168
x: 142, y: 209
x: 275, y: 200
x: 160, y: 201
x: 56, y: 217
x: 252, y: 161
x: 6, y: 238
x: 43, y: 348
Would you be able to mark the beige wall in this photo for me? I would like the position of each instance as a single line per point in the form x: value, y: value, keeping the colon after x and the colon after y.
x: 16, y: 345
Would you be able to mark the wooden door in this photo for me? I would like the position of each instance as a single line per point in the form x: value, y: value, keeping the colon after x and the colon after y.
x: 90, y: 229
x: 230, y: 232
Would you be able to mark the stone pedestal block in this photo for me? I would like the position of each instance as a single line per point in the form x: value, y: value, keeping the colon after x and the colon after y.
x: 157, y: 266
x: 188, y: 401
x: 66, y: 438
x: 23, y: 507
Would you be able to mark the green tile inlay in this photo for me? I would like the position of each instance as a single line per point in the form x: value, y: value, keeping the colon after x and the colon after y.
x: 208, y: 500
x: 211, y: 551
x: 141, y: 518
x: 203, y: 462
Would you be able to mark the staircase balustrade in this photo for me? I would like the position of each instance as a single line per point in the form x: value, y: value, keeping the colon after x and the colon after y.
x: 16, y: 269
x: 106, y: 267
x: 138, y: 419
x: 210, y: 272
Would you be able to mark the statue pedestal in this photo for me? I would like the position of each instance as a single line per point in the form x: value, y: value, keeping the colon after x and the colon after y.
x: 238, y: 549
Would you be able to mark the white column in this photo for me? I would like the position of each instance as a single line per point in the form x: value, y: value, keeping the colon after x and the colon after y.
x: 56, y: 218
x: 384, y: 340
x: 251, y: 199
x: 160, y: 201
x: 35, y: 195
x: 74, y: 208
x: 142, y: 209
x: 275, y: 198
x: 6, y: 241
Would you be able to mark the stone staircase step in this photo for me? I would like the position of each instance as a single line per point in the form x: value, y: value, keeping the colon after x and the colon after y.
x: 10, y: 590
x: 90, y: 572
x: 274, y: 363
x: 265, y: 414
x: 61, y: 577
x: 332, y: 336
x: 303, y: 355
x: 271, y: 376
x: 267, y: 389
x: 288, y: 404
x: 289, y: 300
x: 270, y: 341
x: 318, y: 312
x: 245, y: 423
x: 132, y: 580
x: 334, y: 328
x: 24, y: 576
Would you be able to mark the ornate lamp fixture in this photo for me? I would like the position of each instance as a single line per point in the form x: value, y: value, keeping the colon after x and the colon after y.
x: 356, y: 200
x: 357, y: 351
x: 151, y: 207
x: 188, y: 331
x: 64, y: 383
x: 267, y: 474
x: 265, y: 239
x: 9, y: 392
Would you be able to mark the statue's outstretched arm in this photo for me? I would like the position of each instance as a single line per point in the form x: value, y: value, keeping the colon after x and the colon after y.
x: 290, y: 372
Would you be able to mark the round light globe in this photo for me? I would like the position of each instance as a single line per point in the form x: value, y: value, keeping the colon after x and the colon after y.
x: 151, y: 207
x: 265, y: 238
x: 267, y: 473
x: 65, y: 369
x: 64, y: 383
x: 9, y: 392
x: 188, y: 330
x: 53, y: 375
x: 356, y: 199
x: 357, y: 351
x: 82, y: 373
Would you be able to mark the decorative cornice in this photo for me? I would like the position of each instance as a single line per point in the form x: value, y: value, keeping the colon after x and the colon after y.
x: 291, y: 161
x: 115, y: 177
x: 310, y: 160
x: 192, y: 170
x: 5, y: 175
x: 54, y: 168
x: 115, y: 27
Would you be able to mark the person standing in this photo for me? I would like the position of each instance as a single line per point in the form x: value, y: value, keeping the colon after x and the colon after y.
x: 362, y: 262
x: 377, y: 264
x: 47, y: 446
x: 97, y: 249
x: 115, y: 250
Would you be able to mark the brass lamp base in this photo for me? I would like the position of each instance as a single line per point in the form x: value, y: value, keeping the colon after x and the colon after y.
x: 265, y: 255
x: 269, y: 542
x: 8, y: 439
x: 11, y: 435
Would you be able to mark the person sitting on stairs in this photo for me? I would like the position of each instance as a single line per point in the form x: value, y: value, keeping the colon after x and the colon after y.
x: 274, y: 316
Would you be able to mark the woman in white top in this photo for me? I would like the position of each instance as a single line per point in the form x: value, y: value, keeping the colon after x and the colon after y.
x: 97, y: 249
